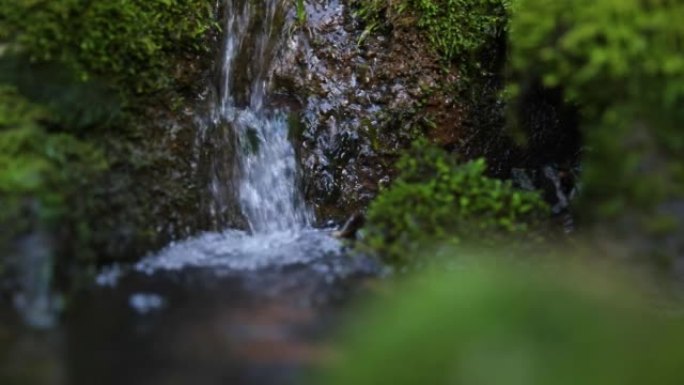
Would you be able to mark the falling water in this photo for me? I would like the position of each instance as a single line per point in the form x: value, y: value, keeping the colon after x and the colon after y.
x: 267, y: 169
x: 265, y: 176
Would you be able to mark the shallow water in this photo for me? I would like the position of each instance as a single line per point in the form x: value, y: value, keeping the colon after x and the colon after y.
x: 224, y: 308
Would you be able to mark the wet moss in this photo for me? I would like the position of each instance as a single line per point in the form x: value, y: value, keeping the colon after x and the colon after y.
x: 461, y: 30
x: 469, y: 38
x: 133, y: 44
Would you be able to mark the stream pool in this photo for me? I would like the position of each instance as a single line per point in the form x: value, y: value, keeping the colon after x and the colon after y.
x: 222, y: 308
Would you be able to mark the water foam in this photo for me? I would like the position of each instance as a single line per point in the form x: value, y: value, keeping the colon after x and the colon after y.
x: 280, y: 232
x: 238, y: 250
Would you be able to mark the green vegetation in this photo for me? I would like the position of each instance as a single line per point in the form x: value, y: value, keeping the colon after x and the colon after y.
x: 39, y: 170
x: 617, y: 63
x: 495, y: 322
x: 77, y: 81
x: 620, y: 62
x: 134, y: 44
x: 462, y: 29
x: 603, y: 53
x: 300, y: 12
x: 435, y: 199
x: 458, y: 29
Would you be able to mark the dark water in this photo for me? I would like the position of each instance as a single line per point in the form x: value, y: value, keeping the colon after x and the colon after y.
x: 182, y: 324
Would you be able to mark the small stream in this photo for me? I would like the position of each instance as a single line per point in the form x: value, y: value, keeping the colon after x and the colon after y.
x: 240, y: 306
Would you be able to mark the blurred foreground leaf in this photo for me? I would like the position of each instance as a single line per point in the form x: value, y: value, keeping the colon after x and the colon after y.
x: 498, y: 324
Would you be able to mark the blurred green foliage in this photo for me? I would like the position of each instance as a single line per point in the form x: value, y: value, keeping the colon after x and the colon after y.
x: 437, y: 199
x: 603, y: 53
x: 58, y: 90
x: 493, y: 322
x: 134, y: 44
x: 620, y: 62
x: 39, y: 170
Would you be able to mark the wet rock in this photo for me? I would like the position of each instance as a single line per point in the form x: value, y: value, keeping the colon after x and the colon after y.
x: 170, y: 171
x: 362, y: 103
x: 351, y: 227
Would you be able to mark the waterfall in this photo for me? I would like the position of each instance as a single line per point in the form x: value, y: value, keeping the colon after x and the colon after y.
x: 266, y: 164
x: 265, y: 177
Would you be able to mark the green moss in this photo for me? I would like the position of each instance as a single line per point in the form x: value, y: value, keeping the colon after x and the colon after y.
x: 131, y: 43
x: 82, y: 152
x: 459, y: 30
x: 469, y: 37
x: 462, y: 29
x: 436, y: 199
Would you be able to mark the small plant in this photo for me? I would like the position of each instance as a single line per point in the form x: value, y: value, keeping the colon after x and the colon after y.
x: 436, y: 199
x: 459, y: 30
x: 300, y: 12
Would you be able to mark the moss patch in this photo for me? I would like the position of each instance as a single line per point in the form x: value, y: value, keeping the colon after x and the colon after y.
x: 436, y: 199
x: 132, y: 43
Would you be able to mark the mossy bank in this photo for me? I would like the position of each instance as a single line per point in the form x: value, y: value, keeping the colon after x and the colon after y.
x: 96, y: 128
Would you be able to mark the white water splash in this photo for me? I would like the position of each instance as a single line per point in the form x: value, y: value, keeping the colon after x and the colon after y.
x: 268, y: 189
x: 237, y: 250
x: 280, y: 232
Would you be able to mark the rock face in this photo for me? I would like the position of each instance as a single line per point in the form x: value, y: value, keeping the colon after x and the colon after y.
x: 171, y: 179
x: 360, y: 98
x: 356, y: 100
x: 171, y: 170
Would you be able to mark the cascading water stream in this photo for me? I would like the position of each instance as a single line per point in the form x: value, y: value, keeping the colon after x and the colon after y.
x: 265, y: 163
x: 268, y: 192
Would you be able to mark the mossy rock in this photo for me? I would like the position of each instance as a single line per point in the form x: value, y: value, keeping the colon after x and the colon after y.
x: 108, y: 179
x: 133, y: 44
